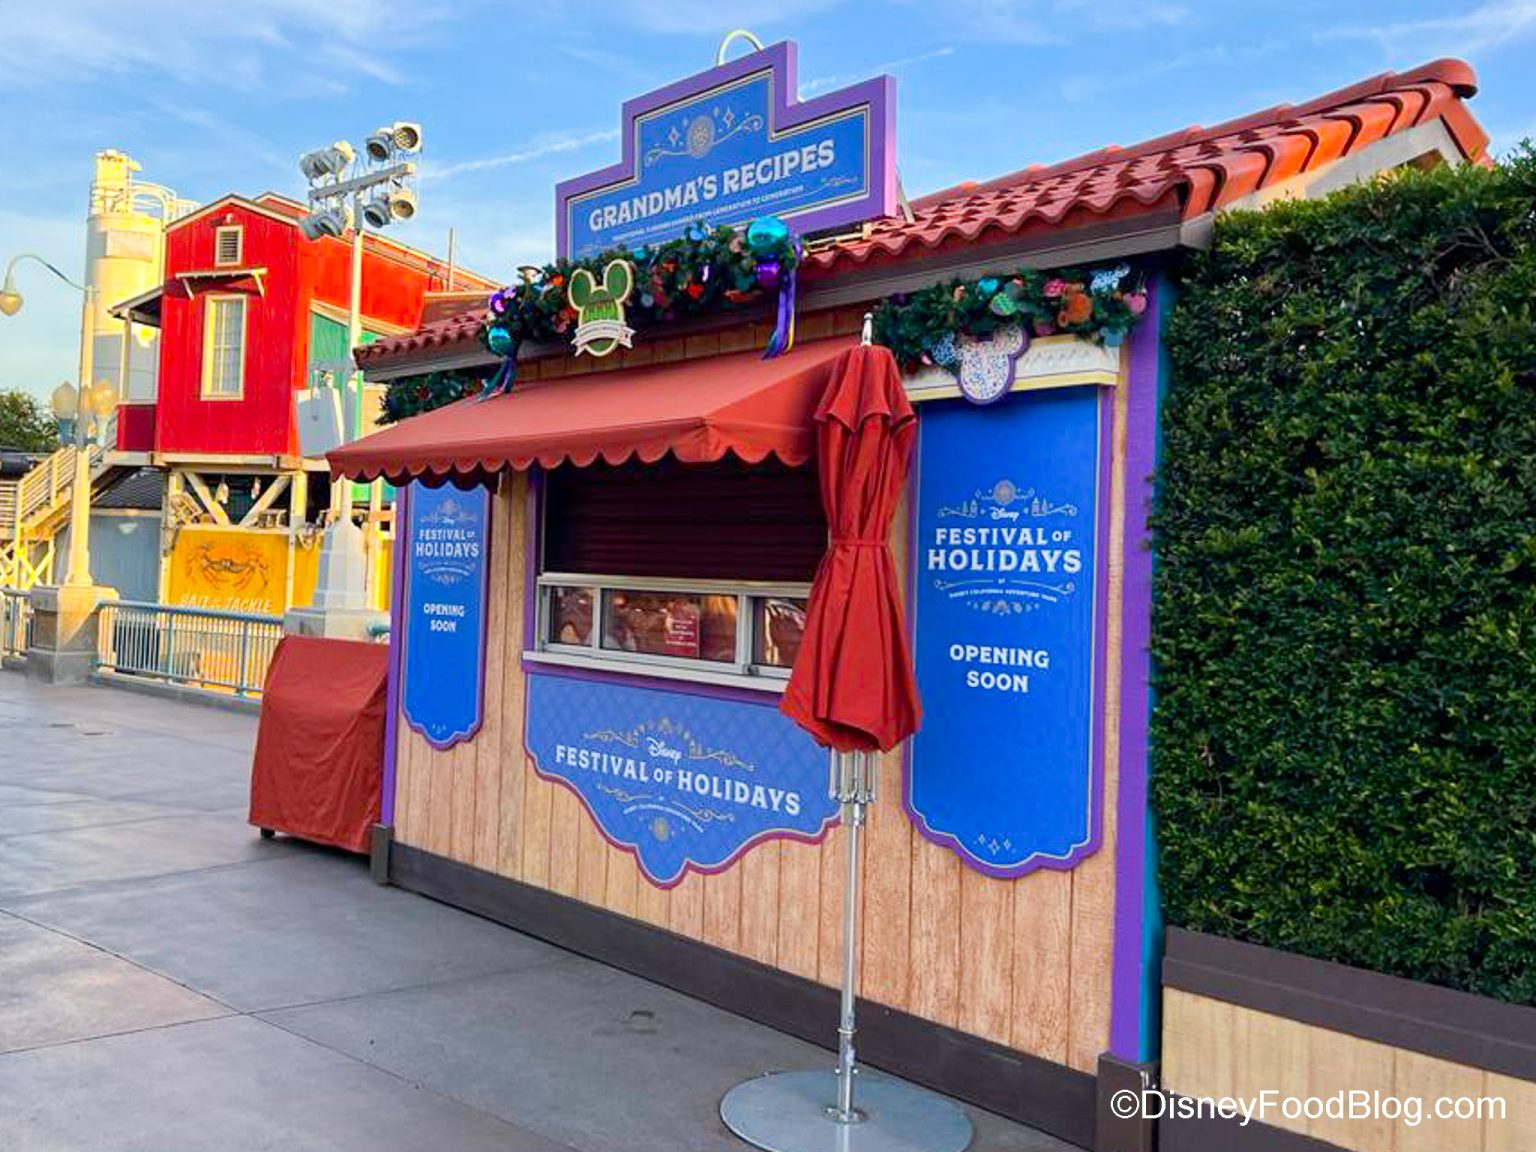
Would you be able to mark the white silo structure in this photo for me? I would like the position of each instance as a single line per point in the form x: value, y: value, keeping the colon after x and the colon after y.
x: 124, y: 251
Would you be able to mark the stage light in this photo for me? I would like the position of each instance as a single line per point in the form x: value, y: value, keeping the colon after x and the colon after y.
x: 407, y: 135
x: 402, y: 203
x: 324, y: 162
x: 327, y: 222
x: 376, y: 212
x: 380, y: 146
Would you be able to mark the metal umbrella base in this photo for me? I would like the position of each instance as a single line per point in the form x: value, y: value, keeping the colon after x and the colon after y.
x: 849, y: 1110
x: 797, y: 1112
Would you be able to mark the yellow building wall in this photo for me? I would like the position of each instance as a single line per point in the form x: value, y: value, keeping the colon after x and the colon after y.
x: 230, y: 569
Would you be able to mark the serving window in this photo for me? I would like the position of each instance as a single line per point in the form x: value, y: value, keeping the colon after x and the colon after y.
x: 690, y: 571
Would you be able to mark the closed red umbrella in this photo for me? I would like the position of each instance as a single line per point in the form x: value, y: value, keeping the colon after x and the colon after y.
x: 852, y: 686
x: 853, y: 689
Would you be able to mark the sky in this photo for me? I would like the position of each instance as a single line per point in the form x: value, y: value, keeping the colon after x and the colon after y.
x: 219, y: 96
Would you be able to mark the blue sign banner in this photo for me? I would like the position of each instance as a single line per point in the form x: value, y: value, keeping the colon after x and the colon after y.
x: 681, y: 780
x: 731, y: 145
x: 447, y: 538
x: 1006, y: 769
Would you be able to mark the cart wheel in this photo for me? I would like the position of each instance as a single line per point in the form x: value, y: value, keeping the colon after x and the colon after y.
x: 267, y: 833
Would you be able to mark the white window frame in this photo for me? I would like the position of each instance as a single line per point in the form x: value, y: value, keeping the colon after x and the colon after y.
x: 743, y: 672
x: 210, y: 311
x: 219, y: 233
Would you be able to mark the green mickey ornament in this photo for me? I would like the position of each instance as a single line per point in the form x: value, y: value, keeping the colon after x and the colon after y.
x: 601, y: 327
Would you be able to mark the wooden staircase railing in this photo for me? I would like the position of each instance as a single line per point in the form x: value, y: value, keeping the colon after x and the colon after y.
x: 37, y: 507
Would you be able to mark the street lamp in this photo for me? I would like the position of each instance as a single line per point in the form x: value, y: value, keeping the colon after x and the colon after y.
x: 348, y: 188
x: 72, y: 415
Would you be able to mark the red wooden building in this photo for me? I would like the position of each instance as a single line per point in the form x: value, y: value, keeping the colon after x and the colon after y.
x: 249, y: 312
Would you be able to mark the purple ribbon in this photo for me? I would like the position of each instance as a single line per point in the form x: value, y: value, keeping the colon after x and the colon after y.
x: 783, y: 338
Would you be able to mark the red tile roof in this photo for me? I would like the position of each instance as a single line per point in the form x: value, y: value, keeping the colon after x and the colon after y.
x: 1184, y: 174
x: 1192, y: 172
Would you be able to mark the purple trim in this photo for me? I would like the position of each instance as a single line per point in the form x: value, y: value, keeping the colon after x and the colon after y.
x: 396, y: 656
x: 781, y: 58
x: 1125, y: 1027
x: 633, y: 850
x: 485, y: 587
x: 1100, y: 656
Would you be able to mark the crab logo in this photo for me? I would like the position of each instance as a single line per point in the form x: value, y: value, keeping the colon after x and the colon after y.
x: 601, y: 327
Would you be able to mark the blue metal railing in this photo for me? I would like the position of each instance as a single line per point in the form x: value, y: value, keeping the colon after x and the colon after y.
x: 224, y: 652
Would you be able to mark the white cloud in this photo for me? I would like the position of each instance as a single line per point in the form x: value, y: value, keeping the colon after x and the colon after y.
x: 1094, y: 84
x: 204, y: 41
x: 1487, y: 27
x: 821, y: 83
x: 540, y: 147
x: 492, y: 235
x: 1050, y: 22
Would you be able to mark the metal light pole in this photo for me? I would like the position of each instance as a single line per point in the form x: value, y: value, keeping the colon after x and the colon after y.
x: 347, y: 190
x: 78, y: 574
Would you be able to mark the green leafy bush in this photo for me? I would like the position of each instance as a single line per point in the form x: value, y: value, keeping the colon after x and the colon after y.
x: 1345, y: 617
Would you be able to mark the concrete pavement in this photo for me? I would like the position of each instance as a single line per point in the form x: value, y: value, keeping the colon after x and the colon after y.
x: 170, y: 982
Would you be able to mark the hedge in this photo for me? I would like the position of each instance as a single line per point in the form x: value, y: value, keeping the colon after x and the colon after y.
x: 1345, y: 609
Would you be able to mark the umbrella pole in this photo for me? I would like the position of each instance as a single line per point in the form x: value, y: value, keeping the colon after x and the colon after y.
x: 815, y: 1111
x: 855, y: 790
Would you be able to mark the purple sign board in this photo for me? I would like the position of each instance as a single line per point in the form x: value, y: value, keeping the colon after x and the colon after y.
x: 731, y: 145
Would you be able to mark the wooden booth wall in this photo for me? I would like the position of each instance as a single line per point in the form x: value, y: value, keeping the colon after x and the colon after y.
x: 1025, y: 963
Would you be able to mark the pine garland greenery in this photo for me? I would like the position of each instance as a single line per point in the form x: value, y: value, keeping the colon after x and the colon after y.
x: 412, y: 395
x: 1101, y: 304
x: 704, y: 272
x: 709, y: 271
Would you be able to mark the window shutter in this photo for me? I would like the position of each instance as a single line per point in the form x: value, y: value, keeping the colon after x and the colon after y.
x: 227, y: 246
x: 721, y: 521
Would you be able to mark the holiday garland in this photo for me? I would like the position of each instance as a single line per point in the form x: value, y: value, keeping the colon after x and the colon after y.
x: 708, y: 271
x: 413, y: 395
x: 1097, y: 304
x: 701, y: 273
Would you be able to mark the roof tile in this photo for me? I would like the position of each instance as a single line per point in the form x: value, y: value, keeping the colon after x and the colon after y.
x: 1191, y: 171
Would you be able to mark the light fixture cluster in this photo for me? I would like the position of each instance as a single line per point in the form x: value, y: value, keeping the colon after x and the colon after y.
x: 373, y: 188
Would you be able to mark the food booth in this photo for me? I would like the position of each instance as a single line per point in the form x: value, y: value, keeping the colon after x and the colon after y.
x: 602, y: 582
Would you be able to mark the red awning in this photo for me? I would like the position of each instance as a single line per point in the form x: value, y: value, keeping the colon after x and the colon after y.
x: 698, y: 410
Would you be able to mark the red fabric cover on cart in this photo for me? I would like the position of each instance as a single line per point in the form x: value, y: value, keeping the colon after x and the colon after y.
x: 852, y: 686
x: 319, y: 762
x: 698, y: 410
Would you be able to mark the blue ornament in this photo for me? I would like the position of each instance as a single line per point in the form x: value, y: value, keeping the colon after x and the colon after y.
x: 1113, y: 337
x: 945, y: 351
x: 766, y: 235
x: 641, y: 254
x: 1106, y: 280
x: 500, y: 341
x: 646, y: 300
x: 696, y: 232
x: 988, y: 286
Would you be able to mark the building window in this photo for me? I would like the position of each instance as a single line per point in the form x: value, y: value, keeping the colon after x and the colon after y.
x: 686, y: 571
x: 228, y: 242
x: 224, y: 348
x: 697, y: 629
